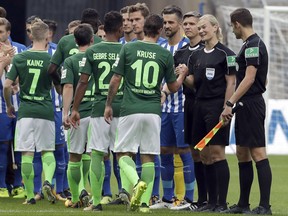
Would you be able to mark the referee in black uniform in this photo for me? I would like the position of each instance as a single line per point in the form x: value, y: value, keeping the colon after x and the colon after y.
x: 252, y: 62
x: 181, y: 56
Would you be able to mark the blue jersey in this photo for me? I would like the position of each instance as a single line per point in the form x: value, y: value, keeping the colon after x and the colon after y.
x: 175, y: 101
x: 122, y: 40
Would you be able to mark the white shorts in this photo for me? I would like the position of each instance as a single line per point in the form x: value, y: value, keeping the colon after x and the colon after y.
x: 102, y: 135
x: 77, y: 138
x: 34, y: 133
x: 139, y: 131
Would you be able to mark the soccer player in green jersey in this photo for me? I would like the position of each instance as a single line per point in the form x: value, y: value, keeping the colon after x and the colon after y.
x: 143, y: 65
x: 35, y: 128
x: 77, y: 139
x: 99, y: 59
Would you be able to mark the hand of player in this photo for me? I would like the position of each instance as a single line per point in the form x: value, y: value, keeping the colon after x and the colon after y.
x: 66, y: 122
x: 7, y: 49
x: 108, y: 114
x: 181, y: 69
x: 10, y: 111
x: 75, y: 119
x: 226, y: 115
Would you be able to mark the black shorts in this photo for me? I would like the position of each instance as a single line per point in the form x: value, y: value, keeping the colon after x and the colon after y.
x: 206, y: 115
x: 188, y: 118
x: 249, y: 122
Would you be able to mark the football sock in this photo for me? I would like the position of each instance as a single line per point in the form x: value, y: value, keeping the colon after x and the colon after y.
x: 97, y: 175
x: 17, y: 172
x: 156, y: 185
x: 223, y: 177
x: 106, y: 183
x: 86, y: 160
x: 38, y: 167
x: 148, y: 175
x: 74, y: 176
x: 4, y: 147
x: 116, y: 170
x: 28, y: 175
x: 60, y: 168
x: 201, y: 181
x: 128, y: 167
x: 49, y: 165
x: 211, y: 183
x: 264, y: 180
x: 189, y: 177
x: 66, y: 156
x: 179, y: 177
x: 246, y: 176
x: 138, y: 163
x: 167, y: 172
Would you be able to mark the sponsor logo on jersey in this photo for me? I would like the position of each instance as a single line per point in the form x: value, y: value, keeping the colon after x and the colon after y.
x: 252, y: 52
x: 210, y: 73
x: 231, y: 61
x: 82, y: 62
x: 64, y: 73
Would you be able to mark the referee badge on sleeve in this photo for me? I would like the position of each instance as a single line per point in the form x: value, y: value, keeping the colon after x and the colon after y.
x: 210, y: 72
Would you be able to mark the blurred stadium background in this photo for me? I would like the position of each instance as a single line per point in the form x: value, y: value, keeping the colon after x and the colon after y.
x: 275, y: 35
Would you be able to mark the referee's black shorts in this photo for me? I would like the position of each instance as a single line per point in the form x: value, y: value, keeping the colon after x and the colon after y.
x: 249, y: 122
x: 206, y: 114
x: 188, y: 118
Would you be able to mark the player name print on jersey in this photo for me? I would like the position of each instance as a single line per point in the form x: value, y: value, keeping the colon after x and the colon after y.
x: 36, y: 63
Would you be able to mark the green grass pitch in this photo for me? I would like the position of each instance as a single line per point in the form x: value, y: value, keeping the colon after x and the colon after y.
x: 279, y: 196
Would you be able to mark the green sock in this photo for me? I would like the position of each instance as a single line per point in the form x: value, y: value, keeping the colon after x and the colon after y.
x: 27, y: 172
x: 128, y: 167
x: 147, y: 175
x: 49, y: 165
x: 74, y: 177
x: 86, y: 160
x: 125, y: 183
x: 97, y: 172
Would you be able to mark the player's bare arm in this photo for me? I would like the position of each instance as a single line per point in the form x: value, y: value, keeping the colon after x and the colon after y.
x: 52, y: 71
x: 7, y: 96
x: 174, y: 86
x: 67, y: 100
x: 113, y: 88
x: 79, y: 94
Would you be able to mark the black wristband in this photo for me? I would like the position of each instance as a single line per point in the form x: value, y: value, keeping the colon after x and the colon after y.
x: 166, y: 93
x: 229, y: 104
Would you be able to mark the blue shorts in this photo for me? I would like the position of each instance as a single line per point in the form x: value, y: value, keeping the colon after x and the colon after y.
x: 59, y: 128
x: 172, y: 130
x: 7, y: 127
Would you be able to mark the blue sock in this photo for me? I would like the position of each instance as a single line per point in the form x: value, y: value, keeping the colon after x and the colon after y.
x: 17, y: 172
x: 3, y: 163
x: 155, y: 191
x: 138, y: 163
x: 116, y: 170
x: 60, y: 168
x: 66, y: 157
x: 37, y: 165
x: 106, y: 184
x: 167, y: 174
x: 189, y: 175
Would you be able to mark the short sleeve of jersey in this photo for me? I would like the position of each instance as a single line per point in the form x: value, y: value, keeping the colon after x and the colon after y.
x: 252, y: 53
x: 57, y: 58
x: 119, y: 64
x: 170, y: 75
x: 87, y: 63
x: 13, y: 72
x: 231, y: 63
x: 67, y: 75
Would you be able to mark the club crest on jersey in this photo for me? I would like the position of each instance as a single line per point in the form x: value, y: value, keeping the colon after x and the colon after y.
x: 210, y: 73
x: 252, y: 52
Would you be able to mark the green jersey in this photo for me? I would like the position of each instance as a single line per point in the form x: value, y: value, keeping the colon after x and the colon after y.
x: 71, y: 75
x: 67, y: 47
x: 143, y: 66
x: 99, y: 61
x: 35, y: 84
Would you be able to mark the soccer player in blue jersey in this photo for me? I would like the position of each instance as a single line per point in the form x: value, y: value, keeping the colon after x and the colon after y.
x: 127, y: 26
x: 172, y: 127
x: 7, y: 126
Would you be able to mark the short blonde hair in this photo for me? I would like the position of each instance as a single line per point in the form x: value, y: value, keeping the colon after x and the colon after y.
x: 142, y: 7
x: 39, y: 30
x: 214, y: 22
x: 6, y: 23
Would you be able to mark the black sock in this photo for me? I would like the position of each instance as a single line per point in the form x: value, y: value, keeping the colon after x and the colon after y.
x: 211, y: 184
x: 200, y: 176
x: 246, y: 176
x: 223, y: 177
x: 265, y: 180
